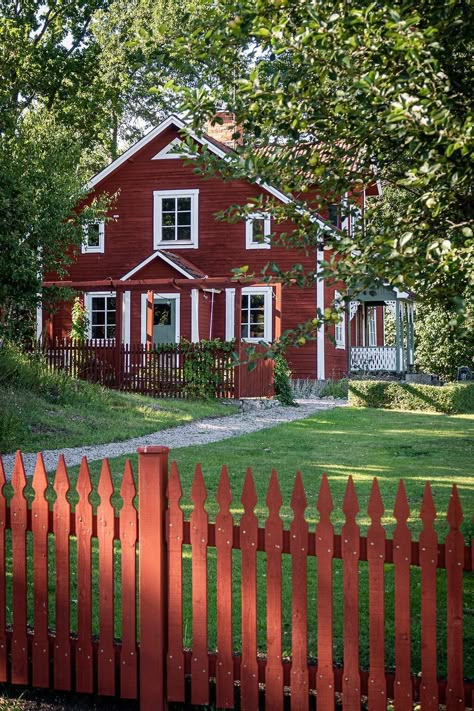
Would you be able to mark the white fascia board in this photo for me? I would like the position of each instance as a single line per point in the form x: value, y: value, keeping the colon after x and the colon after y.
x: 149, y: 259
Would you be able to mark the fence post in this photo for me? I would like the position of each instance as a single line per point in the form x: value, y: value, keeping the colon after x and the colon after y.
x: 153, y: 582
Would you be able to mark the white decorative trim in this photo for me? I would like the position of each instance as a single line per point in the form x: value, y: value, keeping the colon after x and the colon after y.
x: 169, y: 152
x: 126, y: 315
x: 229, y: 314
x: 158, y: 195
x: 267, y: 292
x: 320, y: 338
x: 100, y: 248
x: 195, y: 315
x: 353, y: 307
x: 167, y: 297
x: 149, y: 259
x: 267, y: 228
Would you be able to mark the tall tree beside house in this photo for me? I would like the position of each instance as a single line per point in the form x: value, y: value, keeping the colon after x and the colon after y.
x: 441, y: 347
x: 336, y: 95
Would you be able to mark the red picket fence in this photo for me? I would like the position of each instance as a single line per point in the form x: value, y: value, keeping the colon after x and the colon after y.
x: 157, y: 371
x: 150, y: 662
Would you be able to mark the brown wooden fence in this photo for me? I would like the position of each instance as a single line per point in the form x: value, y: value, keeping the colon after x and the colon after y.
x: 159, y: 371
x: 54, y: 560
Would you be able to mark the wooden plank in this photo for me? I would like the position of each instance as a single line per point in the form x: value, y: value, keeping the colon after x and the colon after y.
x: 175, y: 666
x: 83, y: 518
x: 39, y: 511
x: 3, y: 600
x: 350, y: 554
x: 454, y: 545
x: 377, y: 691
x: 428, y: 551
x: 299, y: 597
x: 248, y: 545
x: 62, y: 644
x: 128, y: 540
x: 18, y: 514
x: 105, y: 537
x: 274, y: 547
x: 198, y: 522
x: 324, y: 553
x: 403, y: 695
x: 224, y: 536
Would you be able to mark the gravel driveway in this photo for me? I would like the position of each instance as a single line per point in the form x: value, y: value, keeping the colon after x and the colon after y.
x: 199, y: 432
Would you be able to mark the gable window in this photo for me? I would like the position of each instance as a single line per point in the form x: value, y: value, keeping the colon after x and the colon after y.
x: 340, y: 327
x: 100, y: 308
x: 256, y: 314
x: 175, y: 219
x: 94, y: 237
x: 257, y: 231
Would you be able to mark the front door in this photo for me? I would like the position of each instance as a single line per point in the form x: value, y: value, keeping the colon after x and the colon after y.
x: 164, y: 321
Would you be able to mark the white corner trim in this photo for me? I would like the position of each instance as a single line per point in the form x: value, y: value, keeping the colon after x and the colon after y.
x: 149, y: 259
x: 168, y: 297
x: 158, y: 195
x: 267, y: 228
x: 229, y: 314
x: 320, y: 338
x: 126, y: 315
x: 195, y: 315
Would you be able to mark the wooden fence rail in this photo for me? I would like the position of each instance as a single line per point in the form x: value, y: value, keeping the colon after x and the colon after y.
x: 51, y: 555
x: 159, y: 371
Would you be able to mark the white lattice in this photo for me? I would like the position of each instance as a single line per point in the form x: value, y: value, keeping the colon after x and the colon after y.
x: 374, y: 358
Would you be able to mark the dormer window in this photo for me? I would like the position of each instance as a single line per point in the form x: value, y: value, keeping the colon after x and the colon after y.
x: 94, y: 237
x: 257, y: 231
x: 175, y: 220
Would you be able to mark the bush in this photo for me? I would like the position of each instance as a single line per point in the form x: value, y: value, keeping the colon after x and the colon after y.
x: 282, y: 375
x: 450, y: 399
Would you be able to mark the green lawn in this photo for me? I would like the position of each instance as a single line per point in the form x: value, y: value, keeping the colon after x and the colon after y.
x: 364, y: 443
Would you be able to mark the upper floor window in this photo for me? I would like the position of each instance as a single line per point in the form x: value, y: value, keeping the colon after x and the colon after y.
x: 94, y: 237
x: 100, y: 308
x: 175, y: 219
x: 334, y: 215
x: 257, y: 231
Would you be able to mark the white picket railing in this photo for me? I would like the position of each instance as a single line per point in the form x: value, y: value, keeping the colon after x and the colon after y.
x: 374, y: 358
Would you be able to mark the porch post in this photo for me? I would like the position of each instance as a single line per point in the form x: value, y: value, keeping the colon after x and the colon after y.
x: 349, y: 339
x: 150, y: 301
x: 238, y: 340
x: 397, y: 335
x: 402, y: 341
x: 412, y: 334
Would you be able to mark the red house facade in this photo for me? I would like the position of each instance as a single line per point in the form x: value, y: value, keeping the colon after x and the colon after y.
x: 163, y: 228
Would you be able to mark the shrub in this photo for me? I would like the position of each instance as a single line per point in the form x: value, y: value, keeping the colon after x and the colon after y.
x: 282, y: 375
x: 450, y: 399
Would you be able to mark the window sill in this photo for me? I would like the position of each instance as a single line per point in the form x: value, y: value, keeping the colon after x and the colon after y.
x: 264, y: 245
x: 175, y: 245
x: 339, y: 347
x: 92, y: 250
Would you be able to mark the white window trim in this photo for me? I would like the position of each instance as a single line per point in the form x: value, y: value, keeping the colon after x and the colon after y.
x: 158, y: 243
x: 267, y: 292
x: 101, y: 246
x: 88, y: 296
x: 340, y: 327
x: 267, y: 228
x: 168, y: 297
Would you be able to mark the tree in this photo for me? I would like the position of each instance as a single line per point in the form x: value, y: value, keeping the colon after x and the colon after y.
x: 440, y: 347
x: 338, y: 95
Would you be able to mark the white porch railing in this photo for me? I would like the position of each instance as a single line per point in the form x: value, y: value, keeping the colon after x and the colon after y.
x: 374, y: 358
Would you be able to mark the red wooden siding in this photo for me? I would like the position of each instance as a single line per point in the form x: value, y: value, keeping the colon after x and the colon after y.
x: 154, y: 665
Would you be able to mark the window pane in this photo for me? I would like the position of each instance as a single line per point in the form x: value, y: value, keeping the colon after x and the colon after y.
x: 162, y: 315
x: 167, y: 234
x: 257, y: 301
x: 245, y: 301
x: 111, y: 303
x: 168, y: 219
x: 184, y: 233
x: 184, y: 218
x: 168, y: 204
x: 257, y: 317
x: 98, y: 317
x: 93, y: 235
x: 333, y: 215
x: 98, y: 331
x: 244, y: 331
x: 111, y: 317
x: 258, y: 231
x: 110, y: 331
x: 257, y: 331
x: 184, y: 204
x: 98, y: 303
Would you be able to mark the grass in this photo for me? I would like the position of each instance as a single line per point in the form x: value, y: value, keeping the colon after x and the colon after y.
x: 364, y: 443
x: 40, y: 409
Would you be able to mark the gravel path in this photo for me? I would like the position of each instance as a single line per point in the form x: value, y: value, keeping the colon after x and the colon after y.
x: 199, y: 432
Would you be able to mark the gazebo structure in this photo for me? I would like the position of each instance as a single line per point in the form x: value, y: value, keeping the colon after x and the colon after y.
x: 393, y: 350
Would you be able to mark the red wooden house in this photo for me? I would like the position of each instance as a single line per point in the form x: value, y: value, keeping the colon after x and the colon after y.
x: 163, y: 230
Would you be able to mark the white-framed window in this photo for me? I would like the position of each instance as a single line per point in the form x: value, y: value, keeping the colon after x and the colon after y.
x: 340, y: 327
x: 372, y: 326
x: 334, y: 215
x: 257, y: 231
x: 256, y: 322
x: 175, y: 218
x: 94, y: 237
x: 101, y: 312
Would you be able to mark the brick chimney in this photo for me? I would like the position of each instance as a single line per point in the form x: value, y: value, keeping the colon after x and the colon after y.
x: 224, y: 132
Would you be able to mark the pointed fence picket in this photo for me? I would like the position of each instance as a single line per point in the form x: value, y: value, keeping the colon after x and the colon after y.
x: 150, y: 662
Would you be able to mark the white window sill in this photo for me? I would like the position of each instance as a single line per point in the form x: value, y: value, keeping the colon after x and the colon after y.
x: 92, y: 250
x: 175, y: 245
x: 340, y: 347
x: 264, y: 245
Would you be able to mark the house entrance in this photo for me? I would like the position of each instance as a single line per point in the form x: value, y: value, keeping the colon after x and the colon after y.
x: 164, y: 321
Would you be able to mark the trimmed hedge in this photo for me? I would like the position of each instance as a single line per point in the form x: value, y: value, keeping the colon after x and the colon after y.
x: 454, y: 398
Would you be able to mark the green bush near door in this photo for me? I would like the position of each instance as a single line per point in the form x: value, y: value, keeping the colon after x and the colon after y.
x: 455, y: 398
